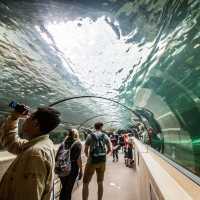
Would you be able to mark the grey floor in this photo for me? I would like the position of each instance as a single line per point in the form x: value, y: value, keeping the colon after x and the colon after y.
x: 119, y: 183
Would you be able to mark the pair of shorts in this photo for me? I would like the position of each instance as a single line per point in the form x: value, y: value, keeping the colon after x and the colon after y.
x: 91, y: 168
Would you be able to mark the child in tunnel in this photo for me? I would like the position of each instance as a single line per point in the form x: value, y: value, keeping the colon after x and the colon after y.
x: 126, y: 138
x: 115, y: 147
x: 129, y: 146
x: 130, y: 149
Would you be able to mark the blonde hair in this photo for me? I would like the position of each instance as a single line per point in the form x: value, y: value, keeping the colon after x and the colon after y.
x: 76, y: 134
x: 73, y: 134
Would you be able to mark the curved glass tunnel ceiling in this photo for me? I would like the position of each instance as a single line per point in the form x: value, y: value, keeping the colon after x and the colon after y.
x: 141, y: 53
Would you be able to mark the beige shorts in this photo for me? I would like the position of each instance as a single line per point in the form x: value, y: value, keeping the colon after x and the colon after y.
x: 91, y: 168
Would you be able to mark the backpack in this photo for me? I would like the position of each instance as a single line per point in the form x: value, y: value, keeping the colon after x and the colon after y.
x: 98, y: 150
x: 63, y: 161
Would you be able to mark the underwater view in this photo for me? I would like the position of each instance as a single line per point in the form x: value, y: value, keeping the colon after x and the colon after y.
x: 123, y: 62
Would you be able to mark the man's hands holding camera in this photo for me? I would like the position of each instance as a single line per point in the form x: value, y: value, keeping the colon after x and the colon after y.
x: 20, y: 111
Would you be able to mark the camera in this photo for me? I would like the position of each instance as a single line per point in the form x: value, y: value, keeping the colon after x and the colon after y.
x: 20, y: 108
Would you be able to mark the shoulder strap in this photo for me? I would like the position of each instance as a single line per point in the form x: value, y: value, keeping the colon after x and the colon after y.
x: 93, y: 136
x: 75, y: 142
x: 70, y: 146
x: 102, y: 135
x: 61, y: 148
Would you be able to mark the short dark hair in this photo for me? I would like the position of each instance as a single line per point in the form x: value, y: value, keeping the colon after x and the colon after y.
x: 48, y: 118
x: 98, y: 125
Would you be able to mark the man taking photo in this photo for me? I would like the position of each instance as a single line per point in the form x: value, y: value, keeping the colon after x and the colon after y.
x: 30, y: 176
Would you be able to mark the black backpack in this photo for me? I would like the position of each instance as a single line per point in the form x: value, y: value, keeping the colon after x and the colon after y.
x: 98, y: 149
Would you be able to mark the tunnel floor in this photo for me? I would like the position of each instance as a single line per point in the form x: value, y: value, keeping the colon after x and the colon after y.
x: 119, y: 183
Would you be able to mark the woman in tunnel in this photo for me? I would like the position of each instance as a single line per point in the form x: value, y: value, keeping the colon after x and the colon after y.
x: 73, y: 143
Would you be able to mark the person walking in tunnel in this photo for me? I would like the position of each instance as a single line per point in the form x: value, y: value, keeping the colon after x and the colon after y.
x: 115, y: 147
x: 126, y: 138
x: 121, y: 142
x: 31, y: 174
x: 73, y: 145
x: 130, y: 148
x: 95, y: 151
